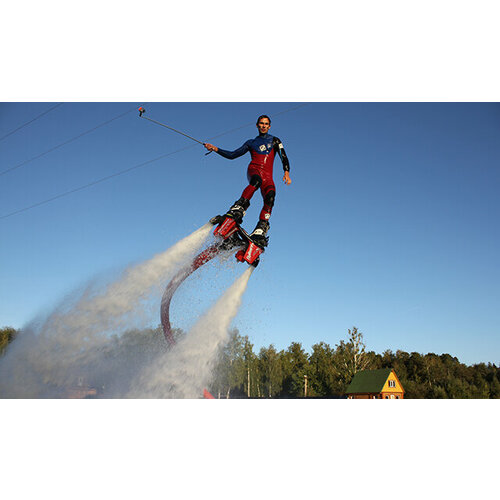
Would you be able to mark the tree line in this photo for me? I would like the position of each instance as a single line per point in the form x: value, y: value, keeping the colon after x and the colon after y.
x: 325, y: 372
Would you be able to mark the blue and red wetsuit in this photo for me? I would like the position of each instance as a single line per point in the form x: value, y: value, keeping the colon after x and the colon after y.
x: 260, y: 170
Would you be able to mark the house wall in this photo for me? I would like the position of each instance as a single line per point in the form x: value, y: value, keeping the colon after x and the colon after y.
x: 398, y: 389
x: 363, y: 396
x: 80, y: 392
x: 392, y: 395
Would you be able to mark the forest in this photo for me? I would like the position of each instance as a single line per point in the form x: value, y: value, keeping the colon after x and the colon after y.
x: 325, y: 372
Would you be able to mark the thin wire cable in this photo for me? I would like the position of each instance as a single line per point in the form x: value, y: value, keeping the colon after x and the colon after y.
x: 93, y: 183
x: 121, y: 172
x: 68, y: 141
x: 171, y: 128
x: 31, y: 121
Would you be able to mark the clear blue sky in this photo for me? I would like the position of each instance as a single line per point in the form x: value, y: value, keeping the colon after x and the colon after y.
x: 390, y: 224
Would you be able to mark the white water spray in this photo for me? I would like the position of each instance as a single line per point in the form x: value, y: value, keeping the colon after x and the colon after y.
x: 75, y: 339
x: 185, y: 370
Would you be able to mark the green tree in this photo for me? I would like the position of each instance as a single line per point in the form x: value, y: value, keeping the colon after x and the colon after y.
x: 435, y: 371
x: 457, y: 388
x: 229, y: 373
x: 295, y: 367
x: 414, y: 390
x: 7, y: 335
x: 271, y: 371
x: 400, y: 364
x: 494, y: 392
x: 416, y: 368
x: 325, y: 376
x: 438, y: 392
x: 387, y: 359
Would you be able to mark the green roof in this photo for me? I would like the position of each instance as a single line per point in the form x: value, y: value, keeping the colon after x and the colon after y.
x: 369, y: 381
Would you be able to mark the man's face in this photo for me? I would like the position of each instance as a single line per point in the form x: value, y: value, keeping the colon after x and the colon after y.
x: 263, y: 125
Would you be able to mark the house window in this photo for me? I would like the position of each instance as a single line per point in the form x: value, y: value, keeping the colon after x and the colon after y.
x: 392, y: 383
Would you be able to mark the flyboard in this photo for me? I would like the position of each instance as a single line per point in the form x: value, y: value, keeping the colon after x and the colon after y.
x: 230, y: 236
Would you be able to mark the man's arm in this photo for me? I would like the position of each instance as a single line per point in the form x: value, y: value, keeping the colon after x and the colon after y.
x: 230, y: 155
x: 278, y: 147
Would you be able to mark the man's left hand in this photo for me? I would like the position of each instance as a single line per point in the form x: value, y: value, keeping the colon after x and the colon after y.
x: 211, y: 147
x: 286, y: 179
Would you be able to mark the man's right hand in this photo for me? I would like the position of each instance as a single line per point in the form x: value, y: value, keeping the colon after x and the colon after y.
x: 211, y: 147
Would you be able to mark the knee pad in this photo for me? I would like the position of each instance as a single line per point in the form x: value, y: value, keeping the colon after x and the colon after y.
x: 255, y: 181
x: 269, y: 198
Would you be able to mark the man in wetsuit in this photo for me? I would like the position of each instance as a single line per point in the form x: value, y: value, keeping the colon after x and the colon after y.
x: 260, y: 175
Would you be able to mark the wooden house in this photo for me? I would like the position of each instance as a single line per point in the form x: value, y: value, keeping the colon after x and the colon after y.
x: 81, y: 390
x: 375, y: 384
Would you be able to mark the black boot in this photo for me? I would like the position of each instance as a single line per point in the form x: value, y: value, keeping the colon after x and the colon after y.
x: 259, y: 233
x: 237, y: 211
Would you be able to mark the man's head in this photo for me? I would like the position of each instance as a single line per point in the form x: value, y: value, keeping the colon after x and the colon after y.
x: 263, y: 124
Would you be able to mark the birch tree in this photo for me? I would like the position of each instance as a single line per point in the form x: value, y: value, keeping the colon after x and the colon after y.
x: 271, y: 370
x: 351, y: 356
